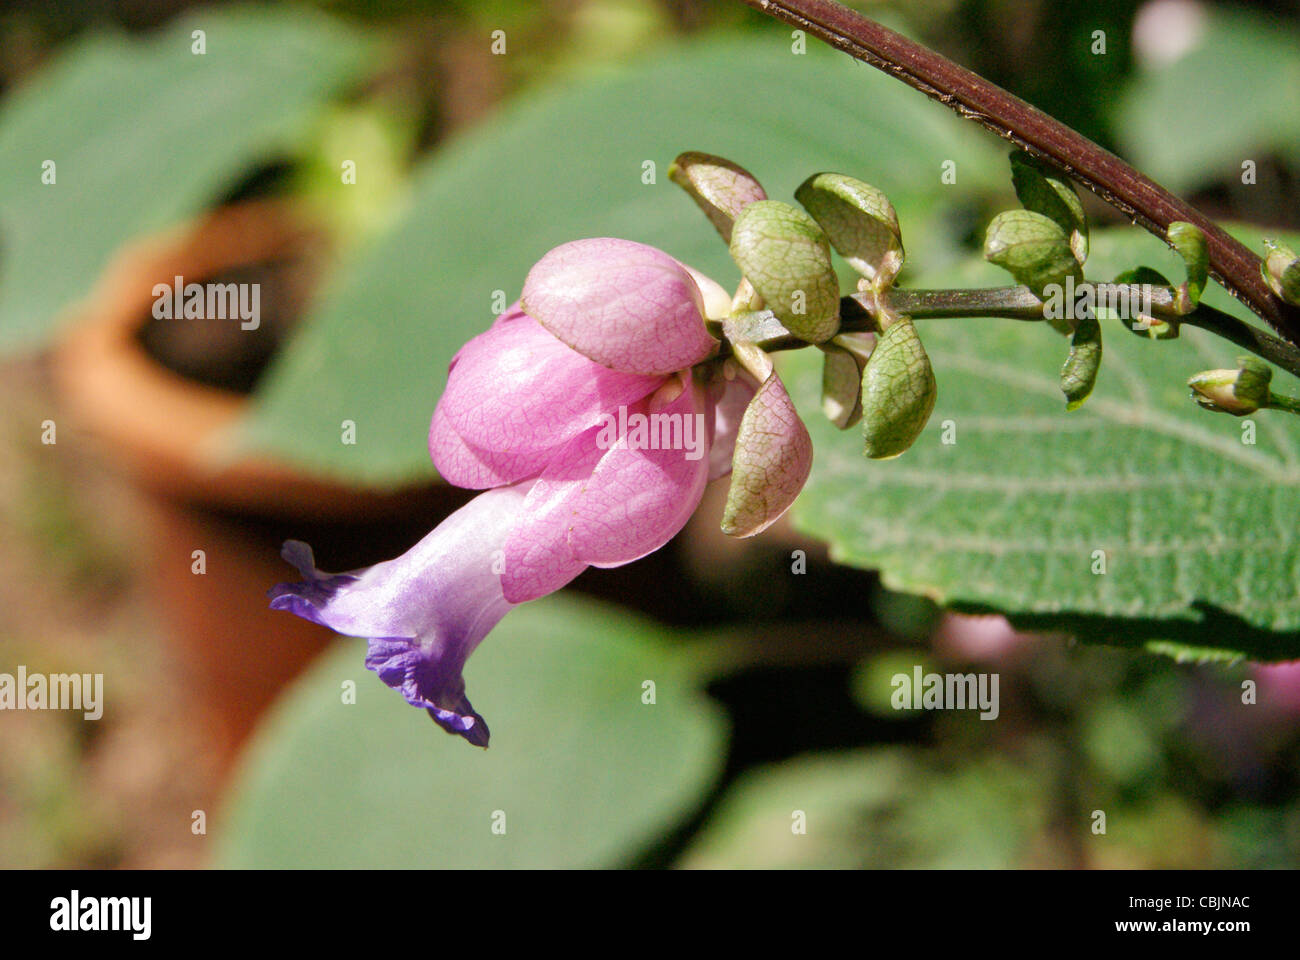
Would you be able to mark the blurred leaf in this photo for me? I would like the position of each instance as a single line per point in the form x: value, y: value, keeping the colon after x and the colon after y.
x: 586, y: 774
x: 1120, y: 744
x: 144, y: 133
x: 1196, y: 527
x: 872, y: 808
x: 873, y: 681
x: 568, y: 163
x: 1232, y: 97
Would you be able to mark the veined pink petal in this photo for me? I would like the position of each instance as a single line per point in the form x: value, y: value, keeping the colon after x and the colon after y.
x: 515, y: 392
x: 733, y: 398
x: 623, y: 304
x: 772, y: 460
x: 538, y: 557
x: 639, y: 497
x: 464, y: 465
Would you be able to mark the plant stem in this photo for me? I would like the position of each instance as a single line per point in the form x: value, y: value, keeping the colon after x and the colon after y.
x: 1015, y: 303
x: 1137, y: 196
x: 1019, y: 303
x: 1278, y: 402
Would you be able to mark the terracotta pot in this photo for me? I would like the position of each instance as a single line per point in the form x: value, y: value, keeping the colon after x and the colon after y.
x: 161, y: 431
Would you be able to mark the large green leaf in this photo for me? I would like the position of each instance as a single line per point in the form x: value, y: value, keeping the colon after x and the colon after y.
x: 877, y: 809
x: 1197, y: 528
x: 1230, y: 98
x: 144, y: 133
x: 569, y: 163
x: 586, y: 773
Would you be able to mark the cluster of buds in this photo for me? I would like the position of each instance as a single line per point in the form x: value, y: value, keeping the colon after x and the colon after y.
x: 790, y: 289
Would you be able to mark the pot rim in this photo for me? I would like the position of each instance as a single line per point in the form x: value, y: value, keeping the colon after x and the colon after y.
x: 171, y: 434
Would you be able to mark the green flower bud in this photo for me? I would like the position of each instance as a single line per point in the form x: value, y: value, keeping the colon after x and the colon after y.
x: 1043, y: 189
x: 1079, y: 374
x: 786, y: 257
x: 898, y: 391
x: 1239, y: 392
x: 1032, y: 248
x: 1189, y: 241
x: 719, y: 187
x: 860, y: 222
x: 772, y: 460
x: 845, y: 359
x: 1281, y: 270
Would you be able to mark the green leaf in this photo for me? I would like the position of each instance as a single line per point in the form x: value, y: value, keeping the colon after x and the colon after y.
x: 1046, y: 190
x: 1195, y: 527
x: 1079, y: 374
x: 143, y: 133
x: 860, y: 222
x: 898, y: 391
x: 1228, y: 100
x: 585, y: 773
x: 565, y: 163
x: 786, y: 257
x: 1032, y: 248
x: 876, y: 809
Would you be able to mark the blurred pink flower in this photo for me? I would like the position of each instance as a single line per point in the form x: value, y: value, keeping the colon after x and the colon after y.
x: 1279, y: 685
x: 978, y: 636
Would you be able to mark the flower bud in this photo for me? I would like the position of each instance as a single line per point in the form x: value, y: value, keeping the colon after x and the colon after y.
x: 1281, y: 269
x: 898, y: 391
x: 1079, y: 373
x: 1189, y: 241
x: 845, y: 359
x: 772, y: 460
x: 860, y: 222
x: 1032, y: 248
x: 721, y: 188
x: 1239, y: 392
x: 1044, y: 189
x: 786, y: 256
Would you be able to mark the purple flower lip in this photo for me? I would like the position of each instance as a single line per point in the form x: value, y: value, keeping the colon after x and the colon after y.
x: 424, y: 612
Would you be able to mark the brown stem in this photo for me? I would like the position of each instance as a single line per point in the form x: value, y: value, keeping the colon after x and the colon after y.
x: 1140, y: 198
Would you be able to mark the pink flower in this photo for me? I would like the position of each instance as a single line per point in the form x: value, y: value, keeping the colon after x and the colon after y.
x: 594, y: 412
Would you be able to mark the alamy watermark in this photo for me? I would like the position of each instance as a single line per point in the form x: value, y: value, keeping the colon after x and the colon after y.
x: 1119, y: 301
x: 55, y: 691
x: 209, y: 301
x: 75, y: 913
x: 654, y: 431
x: 946, y: 691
